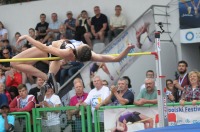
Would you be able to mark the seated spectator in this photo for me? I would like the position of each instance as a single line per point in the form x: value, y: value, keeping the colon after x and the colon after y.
x: 2, y: 76
x: 99, y: 27
x: 62, y: 33
x: 21, y: 103
x: 41, y: 27
x: 70, y: 25
x: 72, y: 92
x: 76, y: 101
x: 5, y: 66
x: 3, y: 99
x: 96, y: 96
x: 36, y: 90
x: 32, y: 34
x: 53, y: 28
x: 3, y: 32
x: 6, y: 45
x: 17, y: 48
x: 129, y: 84
x: 170, y: 91
x: 6, y: 121
x: 120, y: 95
x: 149, y: 74
x: 4, y: 91
x: 191, y: 92
x: 117, y: 23
x: 65, y: 74
x: 147, y: 95
x: 83, y: 25
x: 14, y: 78
x: 25, y: 47
x: 105, y: 83
x: 52, y: 121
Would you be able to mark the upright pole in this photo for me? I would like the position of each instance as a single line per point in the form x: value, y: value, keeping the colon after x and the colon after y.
x: 162, y: 101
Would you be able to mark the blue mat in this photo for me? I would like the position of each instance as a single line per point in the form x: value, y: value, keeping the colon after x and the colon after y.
x: 180, y: 128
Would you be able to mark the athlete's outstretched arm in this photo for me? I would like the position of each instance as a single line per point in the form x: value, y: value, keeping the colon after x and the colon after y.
x: 110, y: 58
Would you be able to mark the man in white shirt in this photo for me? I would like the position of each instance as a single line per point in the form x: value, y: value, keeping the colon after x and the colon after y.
x: 117, y: 23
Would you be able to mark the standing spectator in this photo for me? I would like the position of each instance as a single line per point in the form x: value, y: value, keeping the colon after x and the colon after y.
x: 170, y: 91
x: 17, y: 48
x: 149, y: 74
x: 41, y: 27
x: 117, y: 23
x: 182, y: 78
x: 76, y: 101
x: 191, y: 92
x: 147, y: 95
x: 96, y: 96
x: 70, y: 24
x: 53, y: 28
x: 83, y: 25
x: 4, y: 91
x: 52, y: 121
x: 21, y: 103
x: 6, y: 121
x: 120, y: 95
x: 36, y: 90
x: 3, y: 32
x: 99, y: 27
x: 5, y: 66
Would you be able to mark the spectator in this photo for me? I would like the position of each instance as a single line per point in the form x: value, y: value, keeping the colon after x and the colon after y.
x: 2, y: 76
x: 191, y: 92
x: 96, y: 96
x: 6, y: 121
x: 83, y: 25
x: 129, y: 84
x: 147, y: 95
x: 99, y: 27
x: 120, y: 95
x: 170, y: 91
x: 117, y: 23
x: 5, y: 66
x: 72, y: 92
x: 62, y: 33
x: 76, y: 101
x: 36, y: 90
x: 149, y: 74
x: 14, y: 78
x: 70, y: 24
x: 6, y: 45
x: 182, y: 78
x: 3, y: 99
x: 17, y: 48
x: 21, y: 103
x: 65, y: 74
x: 4, y: 91
x: 41, y: 27
x: 32, y: 34
x: 53, y: 28
x: 105, y: 83
x: 3, y: 32
x: 52, y: 121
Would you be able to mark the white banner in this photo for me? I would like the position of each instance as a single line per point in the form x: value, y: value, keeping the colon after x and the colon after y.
x: 177, y: 115
x: 141, y: 34
x: 190, y: 35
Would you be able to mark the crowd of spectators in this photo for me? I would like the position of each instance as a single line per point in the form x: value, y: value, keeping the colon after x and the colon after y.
x: 22, y: 91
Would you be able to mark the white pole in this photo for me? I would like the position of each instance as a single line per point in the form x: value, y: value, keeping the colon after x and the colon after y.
x: 162, y: 101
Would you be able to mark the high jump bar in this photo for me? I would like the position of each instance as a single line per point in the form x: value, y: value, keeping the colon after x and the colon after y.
x: 58, y: 58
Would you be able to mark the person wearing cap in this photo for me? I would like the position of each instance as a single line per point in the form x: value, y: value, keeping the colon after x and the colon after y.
x: 6, y: 121
x: 51, y: 121
x: 70, y: 24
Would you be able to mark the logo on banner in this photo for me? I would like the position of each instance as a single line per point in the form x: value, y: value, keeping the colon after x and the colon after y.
x: 189, y: 36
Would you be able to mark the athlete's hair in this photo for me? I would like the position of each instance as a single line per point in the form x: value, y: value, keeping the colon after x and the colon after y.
x: 84, y: 54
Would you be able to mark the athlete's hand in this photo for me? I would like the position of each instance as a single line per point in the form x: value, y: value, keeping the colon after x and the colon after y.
x: 130, y: 46
x: 21, y: 38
